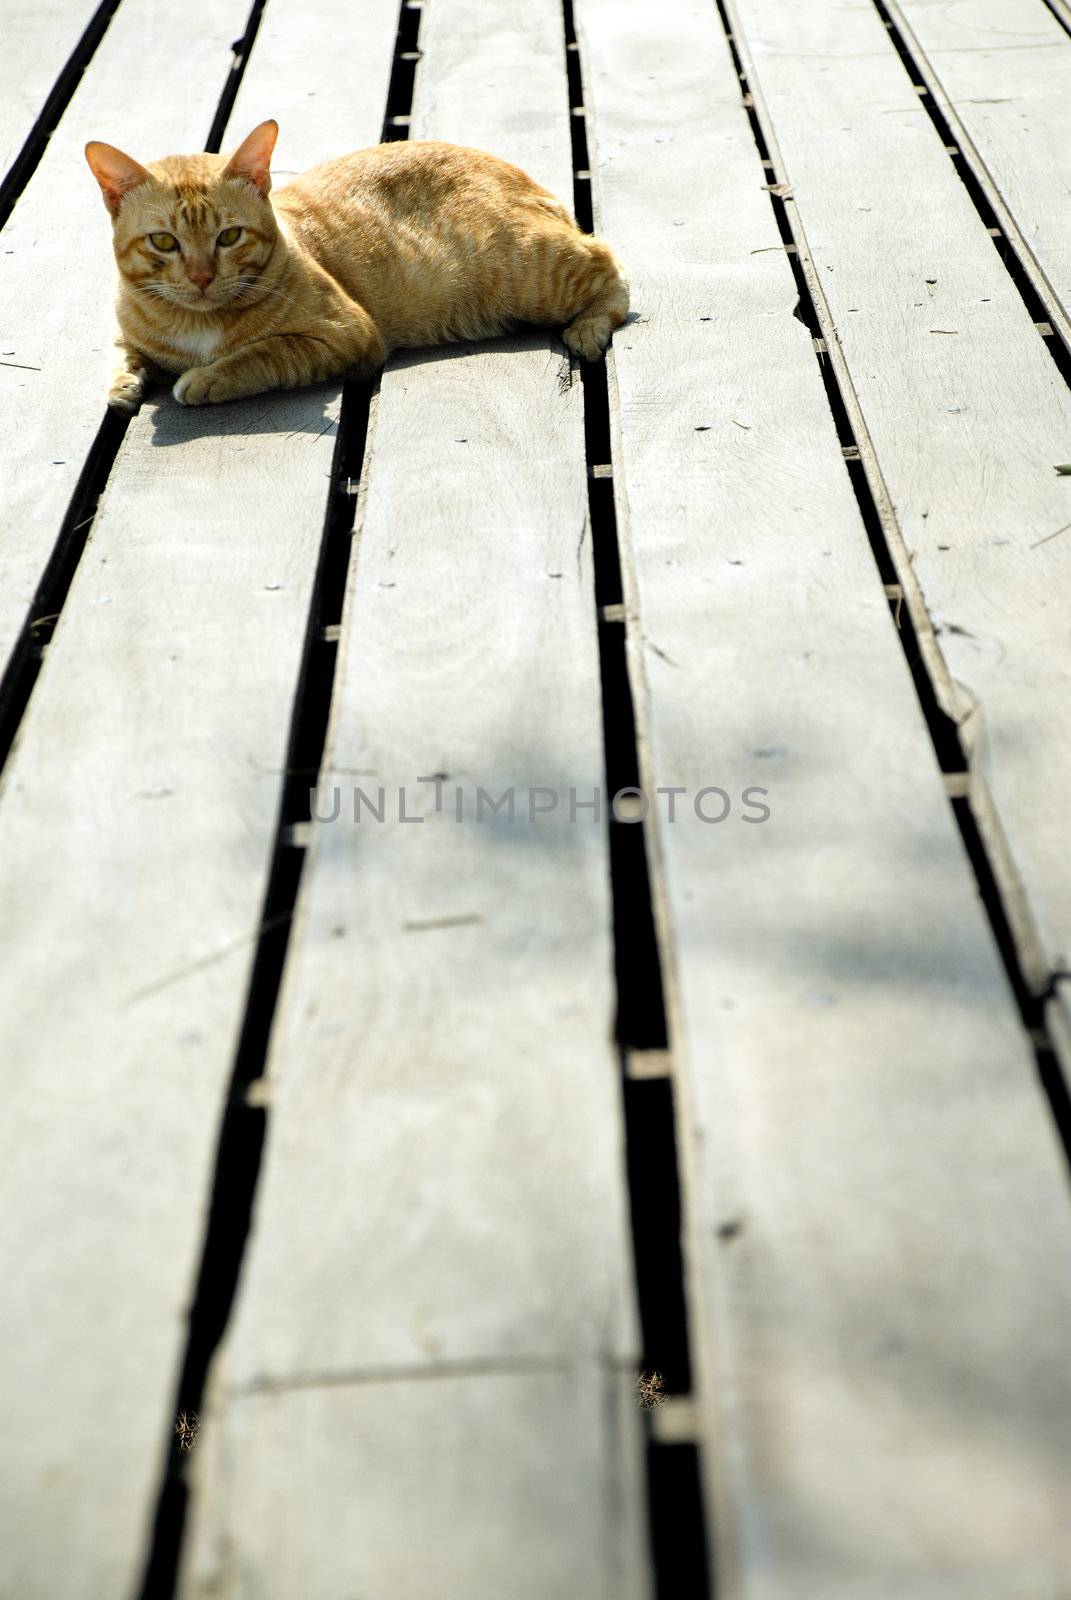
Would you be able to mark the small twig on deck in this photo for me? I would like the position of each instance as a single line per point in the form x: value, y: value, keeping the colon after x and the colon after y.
x: 1049, y: 536
x: 209, y: 960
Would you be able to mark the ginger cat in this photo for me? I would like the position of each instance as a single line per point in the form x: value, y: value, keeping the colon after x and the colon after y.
x: 404, y: 244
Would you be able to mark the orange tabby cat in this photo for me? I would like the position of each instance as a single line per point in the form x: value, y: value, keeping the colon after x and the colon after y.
x: 405, y: 244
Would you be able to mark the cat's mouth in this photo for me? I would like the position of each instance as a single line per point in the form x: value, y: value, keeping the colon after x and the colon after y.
x: 203, y: 300
x: 197, y: 301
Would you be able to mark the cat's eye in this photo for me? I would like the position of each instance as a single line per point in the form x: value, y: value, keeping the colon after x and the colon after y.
x: 229, y: 236
x: 163, y: 241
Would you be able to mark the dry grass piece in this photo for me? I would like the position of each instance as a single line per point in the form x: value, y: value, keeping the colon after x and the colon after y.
x: 650, y: 1389
x: 186, y: 1429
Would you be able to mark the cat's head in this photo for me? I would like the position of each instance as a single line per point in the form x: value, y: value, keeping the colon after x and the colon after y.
x: 191, y: 231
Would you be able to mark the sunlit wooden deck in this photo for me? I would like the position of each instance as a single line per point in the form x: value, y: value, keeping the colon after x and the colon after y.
x: 528, y: 1096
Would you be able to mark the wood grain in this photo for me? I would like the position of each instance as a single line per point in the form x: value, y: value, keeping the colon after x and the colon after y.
x: 438, y: 1286
x: 1002, y: 78
x: 876, y: 1212
x: 961, y: 416
x: 137, y: 821
x: 39, y: 38
x: 56, y: 324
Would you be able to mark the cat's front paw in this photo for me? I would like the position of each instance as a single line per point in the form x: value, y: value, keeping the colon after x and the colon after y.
x: 127, y: 391
x: 197, y: 387
x: 207, y: 386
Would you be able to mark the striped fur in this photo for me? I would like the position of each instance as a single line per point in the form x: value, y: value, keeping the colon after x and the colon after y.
x: 403, y: 244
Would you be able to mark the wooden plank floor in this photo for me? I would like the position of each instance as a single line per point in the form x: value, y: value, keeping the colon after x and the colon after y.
x: 842, y: 1031
x: 1002, y: 78
x: 436, y: 955
x: 802, y: 537
x: 165, y: 701
x: 962, y: 416
x: 39, y: 40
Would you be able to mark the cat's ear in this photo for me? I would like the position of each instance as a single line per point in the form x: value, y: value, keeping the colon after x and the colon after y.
x: 252, y: 159
x: 116, y: 173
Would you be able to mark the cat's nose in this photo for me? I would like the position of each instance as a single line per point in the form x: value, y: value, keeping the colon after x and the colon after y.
x: 201, y: 276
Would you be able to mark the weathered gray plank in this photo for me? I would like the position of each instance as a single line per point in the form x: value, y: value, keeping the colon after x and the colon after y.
x: 324, y: 112
x: 1002, y: 78
x: 877, y: 1227
x: 412, y: 1488
x: 466, y: 1040
x: 442, y: 1213
x: 136, y: 825
x: 960, y: 412
x: 56, y: 325
x: 39, y: 38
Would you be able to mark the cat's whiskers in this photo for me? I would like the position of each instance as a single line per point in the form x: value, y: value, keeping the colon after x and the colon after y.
x: 267, y: 292
x: 163, y: 292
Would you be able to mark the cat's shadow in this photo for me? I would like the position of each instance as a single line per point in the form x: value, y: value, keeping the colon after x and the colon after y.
x: 290, y: 412
x: 294, y: 412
